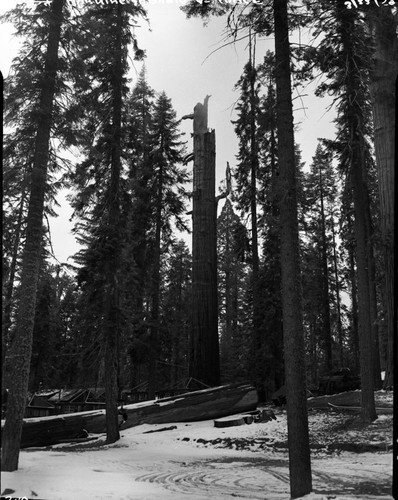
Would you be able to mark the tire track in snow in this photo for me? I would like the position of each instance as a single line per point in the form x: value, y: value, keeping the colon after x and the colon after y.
x: 242, y: 481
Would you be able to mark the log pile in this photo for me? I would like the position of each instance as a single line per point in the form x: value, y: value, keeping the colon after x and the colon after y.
x: 206, y: 404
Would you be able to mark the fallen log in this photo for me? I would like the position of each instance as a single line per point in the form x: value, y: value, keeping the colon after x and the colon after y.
x: 205, y: 404
x: 357, y: 409
x: 352, y: 398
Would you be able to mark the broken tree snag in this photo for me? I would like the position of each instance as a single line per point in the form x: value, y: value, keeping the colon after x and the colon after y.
x: 200, y: 116
x: 206, y: 404
x: 204, y: 362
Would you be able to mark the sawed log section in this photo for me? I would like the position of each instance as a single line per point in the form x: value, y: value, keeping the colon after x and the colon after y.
x: 205, y: 404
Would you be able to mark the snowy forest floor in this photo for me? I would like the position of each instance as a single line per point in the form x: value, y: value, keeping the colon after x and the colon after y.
x: 199, y: 461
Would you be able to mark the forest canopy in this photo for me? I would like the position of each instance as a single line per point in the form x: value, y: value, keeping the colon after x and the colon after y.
x: 304, y: 262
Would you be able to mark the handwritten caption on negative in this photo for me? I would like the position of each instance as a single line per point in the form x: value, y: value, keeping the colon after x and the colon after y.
x: 357, y: 3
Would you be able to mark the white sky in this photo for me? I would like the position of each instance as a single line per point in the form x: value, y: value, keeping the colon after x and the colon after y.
x: 179, y: 61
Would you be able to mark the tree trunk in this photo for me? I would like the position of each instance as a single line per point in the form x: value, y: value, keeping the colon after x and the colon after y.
x: 189, y: 407
x: 295, y: 372
x: 253, y: 189
x: 327, y: 332
x: 383, y: 92
x: 6, y: 339
x: 338, y: 302
x: 21, y: 348
x: 205, y: 364
x: 154, y: 339
x: 359, y: 186
x: 112, y: 320
x: 354, y: 309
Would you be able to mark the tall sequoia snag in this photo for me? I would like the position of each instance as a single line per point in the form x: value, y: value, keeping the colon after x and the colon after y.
x: 293, y: 336
x: 21, y: 349
x: 205, y: 363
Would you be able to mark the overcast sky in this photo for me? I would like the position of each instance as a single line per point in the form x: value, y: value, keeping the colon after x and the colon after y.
x: 182, y: 62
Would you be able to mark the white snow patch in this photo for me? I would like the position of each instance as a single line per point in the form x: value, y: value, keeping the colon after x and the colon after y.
x: 162, y: 465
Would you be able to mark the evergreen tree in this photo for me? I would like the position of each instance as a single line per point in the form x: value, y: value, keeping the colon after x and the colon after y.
x: 383, y: 91
x: 176, y: 311
x: 166, y: 156
x: 295, y: 376
x: 21, y: 348
x: 246, y: 172
x: 321, y: 190
x: 106, y: 68
x: 232, y: 249
x: 348, y: 79
x: 138, y: 200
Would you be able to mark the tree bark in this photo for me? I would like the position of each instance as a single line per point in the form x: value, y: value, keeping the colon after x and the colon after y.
x: 295, y: 372
x: 383, y: 92
x: 354, y: 308
x: 112, y: 320
x: 189, y: 407
x: 154, y: 338
x: 21, y: 348
x: 325, y: 282
x: 362, y: 225
x: 338, y: 301
x: 6, y: 340
x: 205, y: 363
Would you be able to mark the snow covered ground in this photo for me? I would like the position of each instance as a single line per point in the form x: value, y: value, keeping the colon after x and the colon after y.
x: 199, y: 461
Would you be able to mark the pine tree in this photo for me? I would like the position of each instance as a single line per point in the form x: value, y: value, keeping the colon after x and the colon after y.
x: 22, y: 345
x: 232, y: 248
x: 321, y: 190
x: 295, y: 376
x: 166, y: 157
x: 383, y: 92
x: 176, y: 311
x: 349, y: 81
x: 246, y: 172
x: 140, y: 104
x: 106, y: 67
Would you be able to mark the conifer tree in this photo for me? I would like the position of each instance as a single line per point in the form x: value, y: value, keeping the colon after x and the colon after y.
x: 320, y: 193
x: 176, y: 311
x: 383, y: 91
x: 21, y: 349
x: 166, y: 156
x: 140, y: 104
x: 295, y: 376
x: 232, y: 249
x: 106, y: 67
x: 348, y: 76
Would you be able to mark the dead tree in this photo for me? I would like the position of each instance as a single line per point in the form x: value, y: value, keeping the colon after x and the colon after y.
x: 204, y: 362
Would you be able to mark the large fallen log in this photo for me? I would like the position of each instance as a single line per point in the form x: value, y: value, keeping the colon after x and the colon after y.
x: 206, y: 404
x: 357, y: 409
x: 350, y: 400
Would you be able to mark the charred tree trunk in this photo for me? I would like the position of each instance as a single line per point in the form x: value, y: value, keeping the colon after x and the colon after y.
x: 295, y: 373
x: 21, y: 349
x: 205, y: 363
